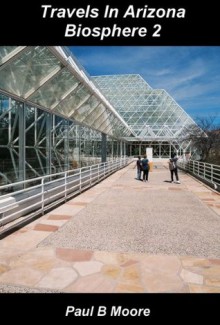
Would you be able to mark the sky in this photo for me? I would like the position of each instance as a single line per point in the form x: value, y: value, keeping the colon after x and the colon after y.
x: 190, y: 74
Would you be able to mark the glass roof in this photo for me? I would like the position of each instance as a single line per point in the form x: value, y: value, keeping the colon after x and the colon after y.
x: 123, y: 106
x: 151, y: 113
x: 50, y: 78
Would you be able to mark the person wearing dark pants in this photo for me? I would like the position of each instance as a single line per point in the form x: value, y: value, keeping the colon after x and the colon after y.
x: 173, y: 168
x: 145, y: 168
x: 139, y: 168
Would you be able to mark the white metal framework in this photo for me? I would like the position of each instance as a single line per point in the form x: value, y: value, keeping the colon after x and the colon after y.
x: 52, y: 117
x: 49, y: 78
x: 151, y: 113
x: 55, y: 117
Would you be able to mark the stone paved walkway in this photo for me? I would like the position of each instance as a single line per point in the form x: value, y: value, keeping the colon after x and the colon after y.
x: 36, y: 259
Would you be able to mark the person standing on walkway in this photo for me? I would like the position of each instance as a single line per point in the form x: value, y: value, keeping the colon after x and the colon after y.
x: 139, y: 168
x: 174, y: 168
x: 145, y: 168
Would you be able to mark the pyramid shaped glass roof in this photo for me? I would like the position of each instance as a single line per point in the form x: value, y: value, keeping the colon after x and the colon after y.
x: 151, y: 113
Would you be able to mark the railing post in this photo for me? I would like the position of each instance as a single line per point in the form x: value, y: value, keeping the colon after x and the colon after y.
x: 65, y: 185
x: 90, y: 173
x: 80, y: 180
x: 42, y: 195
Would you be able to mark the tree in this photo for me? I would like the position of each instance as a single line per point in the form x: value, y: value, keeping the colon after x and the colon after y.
x: 204, y: 138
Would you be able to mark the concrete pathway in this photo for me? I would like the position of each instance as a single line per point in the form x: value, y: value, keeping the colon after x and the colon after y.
x: 122, y: 235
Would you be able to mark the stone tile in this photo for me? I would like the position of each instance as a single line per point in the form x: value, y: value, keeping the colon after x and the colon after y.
x: 195, y: 269
x: 216, y: 210
x: 68, y: 209
x: 194, y: 288
x: 155, y: 282
x: 213, y: 282
x: 77, y: 203
x: 73, y: 255
x: 183, y: 289
x: 175, y: 188
x: 87, y: 198
x: 106, y: 257
x: 123, y: 258
x: 42, y: 252
x: 21, y: 276
x: 24, y: 241
x: 208, y: 199
x: 217, y: 195
x: 213, y: 272
x: 3, y: 268
x: 56, y: 223
x: 203, y: 193
x: 161, y: 263
x: 86, y: 268
x: 111, y: 271
x: 58, y: 278
x: 31, y: 225
x: 128, y: 263
x: 43, y: 227
x: 131, y: 275
x: 42, y: 262
x: 58, y: 217
x: 188, y: 261
x: 191, y: 277
x: 22, y: 230
x: 128, y: 288
x: 9, y: 253
x: 214, y: 261
x: 95, y: 283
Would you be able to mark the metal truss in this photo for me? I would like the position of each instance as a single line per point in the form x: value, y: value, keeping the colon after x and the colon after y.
x: 151, y: 113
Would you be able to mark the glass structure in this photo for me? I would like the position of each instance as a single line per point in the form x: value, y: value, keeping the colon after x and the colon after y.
x: 155, y: 118
x: 52, y: 116
x: 55, y: 117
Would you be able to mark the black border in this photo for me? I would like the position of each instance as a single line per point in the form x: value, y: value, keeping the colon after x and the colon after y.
x: 168, y: 308
x: 23, y: 23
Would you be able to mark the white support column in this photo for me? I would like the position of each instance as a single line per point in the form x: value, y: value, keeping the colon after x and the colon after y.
x: 48, y: 143
x: 21, y: 143
x: 140, y: 149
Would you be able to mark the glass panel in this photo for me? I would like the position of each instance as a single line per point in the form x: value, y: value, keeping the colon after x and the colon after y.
x: 5, y: 51
x: 95, y: 115
x: 35, y: 142
x: 149, y: 112
x: 55, y: 90
x: 28, y: 70
x: 73, y: 101
x: 101, y: 122
x: 83, y: 113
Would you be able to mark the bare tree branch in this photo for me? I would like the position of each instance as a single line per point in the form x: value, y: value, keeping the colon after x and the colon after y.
x: 204, y: 138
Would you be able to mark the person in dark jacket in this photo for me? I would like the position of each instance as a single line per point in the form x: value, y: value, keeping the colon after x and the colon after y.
x: 145, y: 168
x: 139, y: 168
x: 174, y: 168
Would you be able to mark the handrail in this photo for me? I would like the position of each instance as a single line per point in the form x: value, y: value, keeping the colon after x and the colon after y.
x: 208, y: 173
x: 51, y: 190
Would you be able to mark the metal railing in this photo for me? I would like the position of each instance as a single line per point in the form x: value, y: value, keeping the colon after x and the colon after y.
x: 26, y: 202
x: 208, y: 173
